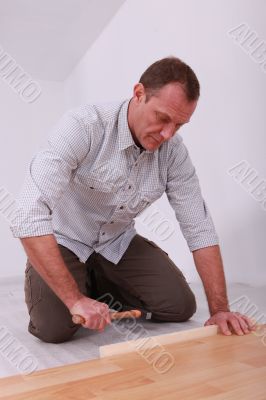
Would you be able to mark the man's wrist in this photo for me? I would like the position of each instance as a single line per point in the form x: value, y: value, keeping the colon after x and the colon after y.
x: 73, y: 299
x: 220, y: 309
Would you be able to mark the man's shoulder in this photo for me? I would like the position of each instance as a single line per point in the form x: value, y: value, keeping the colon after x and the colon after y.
x: 90, y: 113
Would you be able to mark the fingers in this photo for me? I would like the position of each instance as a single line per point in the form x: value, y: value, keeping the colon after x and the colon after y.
x: 230, y: 322
x: 101, y: 317
x: 96, y: 314
x: 224, y: 327
x: 246, y: 323
x: 105, y: 319
x: 222, y: 324
x: 237, y: 324
x: 241, y: 324
x: 250, y: 323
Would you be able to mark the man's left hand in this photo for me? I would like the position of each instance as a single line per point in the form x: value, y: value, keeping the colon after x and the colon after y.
x: 226, y: 320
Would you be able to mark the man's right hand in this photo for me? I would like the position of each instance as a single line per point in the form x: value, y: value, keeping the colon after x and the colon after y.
x: 44, y: 254
x: 95, y: 313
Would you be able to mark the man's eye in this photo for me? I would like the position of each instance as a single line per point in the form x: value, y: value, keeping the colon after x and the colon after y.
x: 161, y: 118
x: 164, y: 120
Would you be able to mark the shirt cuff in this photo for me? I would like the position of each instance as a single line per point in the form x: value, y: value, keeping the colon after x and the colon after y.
x: 207, y: 242
x: 37, y: 228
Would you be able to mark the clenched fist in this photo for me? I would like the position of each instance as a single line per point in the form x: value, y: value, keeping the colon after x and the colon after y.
x: 95, y: 313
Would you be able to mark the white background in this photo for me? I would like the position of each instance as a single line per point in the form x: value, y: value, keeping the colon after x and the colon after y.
x: 227, y: 127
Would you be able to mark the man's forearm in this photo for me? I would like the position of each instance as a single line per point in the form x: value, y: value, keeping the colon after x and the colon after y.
x: 209, y: 265
x: 44, y: 254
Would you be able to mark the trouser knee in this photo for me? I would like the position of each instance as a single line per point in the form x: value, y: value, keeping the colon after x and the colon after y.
x: 178, y: 312
x: 52, y: 335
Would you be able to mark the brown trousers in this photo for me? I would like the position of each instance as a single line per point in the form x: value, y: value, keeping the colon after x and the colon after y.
x: 145, y: 278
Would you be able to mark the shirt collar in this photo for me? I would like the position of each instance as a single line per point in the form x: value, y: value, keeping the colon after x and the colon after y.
x: 125, y: 138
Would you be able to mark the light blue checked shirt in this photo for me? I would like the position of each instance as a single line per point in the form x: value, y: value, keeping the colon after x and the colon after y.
x: 90, y: 181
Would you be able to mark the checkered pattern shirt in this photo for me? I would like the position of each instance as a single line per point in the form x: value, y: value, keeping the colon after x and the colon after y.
x: 89, y: 182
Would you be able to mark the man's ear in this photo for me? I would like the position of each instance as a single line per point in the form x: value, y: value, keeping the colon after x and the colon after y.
x: 139, y: 92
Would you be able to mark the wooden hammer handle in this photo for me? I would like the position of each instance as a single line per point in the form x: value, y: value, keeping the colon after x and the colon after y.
x: 78, y: 319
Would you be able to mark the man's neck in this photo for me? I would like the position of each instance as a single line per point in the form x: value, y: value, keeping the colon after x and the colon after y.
x: 130, y: 113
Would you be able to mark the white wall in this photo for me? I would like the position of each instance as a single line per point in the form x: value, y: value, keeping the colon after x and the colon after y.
x: 229, y: 125
x: 23, y: 127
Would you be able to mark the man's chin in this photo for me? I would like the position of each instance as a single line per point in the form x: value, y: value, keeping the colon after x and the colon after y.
x: 151, y: 145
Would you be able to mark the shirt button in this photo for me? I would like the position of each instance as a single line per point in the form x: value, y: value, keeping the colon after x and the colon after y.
x: 121, y: 207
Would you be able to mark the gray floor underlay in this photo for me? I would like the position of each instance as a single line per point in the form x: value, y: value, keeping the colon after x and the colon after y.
x: 85, y: 344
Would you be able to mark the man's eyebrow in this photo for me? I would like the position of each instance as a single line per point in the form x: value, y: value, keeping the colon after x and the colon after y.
x: 164, y: 114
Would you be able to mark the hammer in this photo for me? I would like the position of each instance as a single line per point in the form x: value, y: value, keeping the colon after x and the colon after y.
x: 78, y: 319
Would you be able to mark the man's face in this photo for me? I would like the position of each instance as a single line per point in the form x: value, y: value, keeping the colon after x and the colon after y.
x: 158, y: 119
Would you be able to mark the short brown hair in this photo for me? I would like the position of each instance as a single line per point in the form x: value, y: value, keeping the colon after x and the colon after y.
x: 170, y: 70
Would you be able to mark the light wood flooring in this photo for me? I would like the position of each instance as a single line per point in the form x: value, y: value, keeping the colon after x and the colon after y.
x: 214, y: 367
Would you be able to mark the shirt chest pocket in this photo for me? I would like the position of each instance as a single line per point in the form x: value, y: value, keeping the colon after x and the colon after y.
x: 91, y: 182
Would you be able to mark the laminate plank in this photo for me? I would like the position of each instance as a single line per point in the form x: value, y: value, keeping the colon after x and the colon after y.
x: 147, y: 342
x: 215, y: 367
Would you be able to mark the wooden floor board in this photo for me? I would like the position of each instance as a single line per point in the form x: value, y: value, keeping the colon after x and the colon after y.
x: 214, y: 367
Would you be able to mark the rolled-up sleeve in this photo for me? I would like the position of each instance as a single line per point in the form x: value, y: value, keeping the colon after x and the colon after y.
x: 184, y: 195
x: 47, y: 177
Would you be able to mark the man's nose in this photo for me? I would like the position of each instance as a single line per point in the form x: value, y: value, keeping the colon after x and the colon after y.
x: 167, y: 132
